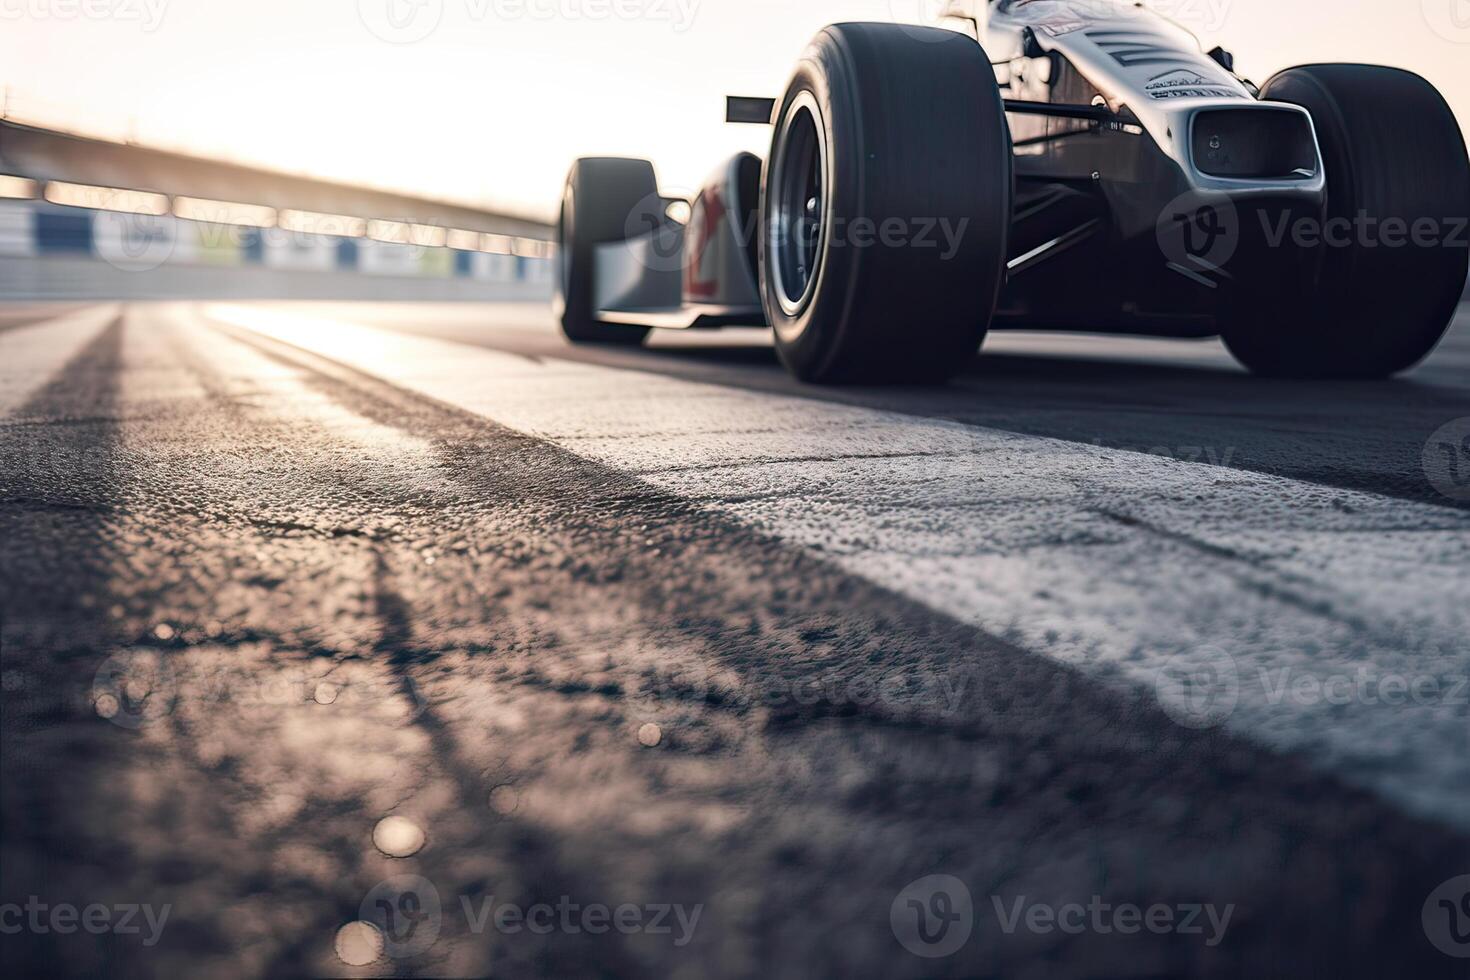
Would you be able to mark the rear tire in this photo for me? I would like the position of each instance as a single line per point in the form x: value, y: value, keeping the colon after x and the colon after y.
x: 887, y: 136
x: 601, y: 202
x: 1392, y: 149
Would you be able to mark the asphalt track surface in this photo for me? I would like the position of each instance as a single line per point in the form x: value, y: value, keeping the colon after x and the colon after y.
x: 662, y: 628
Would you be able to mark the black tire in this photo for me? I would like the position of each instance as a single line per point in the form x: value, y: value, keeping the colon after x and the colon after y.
x: 887, y: 123
x: 600, y: 204
x: 1391, y: 148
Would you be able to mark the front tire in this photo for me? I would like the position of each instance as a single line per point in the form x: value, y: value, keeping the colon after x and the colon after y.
x: 886, y: 206
x: 602, y: 201
x: 1392, y: 149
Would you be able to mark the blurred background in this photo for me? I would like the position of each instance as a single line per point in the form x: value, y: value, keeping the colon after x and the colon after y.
x: 416, y: 148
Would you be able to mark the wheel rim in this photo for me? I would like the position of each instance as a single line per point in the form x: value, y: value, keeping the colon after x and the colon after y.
x: 798, y: 218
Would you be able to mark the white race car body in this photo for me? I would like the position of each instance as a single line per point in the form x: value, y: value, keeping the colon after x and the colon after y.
x: 1114, y: 112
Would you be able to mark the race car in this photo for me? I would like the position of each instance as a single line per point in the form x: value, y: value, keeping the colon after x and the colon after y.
x: 1043, y: 164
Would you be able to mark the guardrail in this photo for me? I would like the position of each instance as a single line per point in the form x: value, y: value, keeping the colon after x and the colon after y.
x: 54, y: 251
x: 171, y: 222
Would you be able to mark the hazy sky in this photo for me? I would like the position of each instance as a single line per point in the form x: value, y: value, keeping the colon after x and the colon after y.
x: 488, y: 100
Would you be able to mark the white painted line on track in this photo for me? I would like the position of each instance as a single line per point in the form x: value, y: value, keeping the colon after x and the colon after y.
x: 30, y: 356
x: 1333, y: 623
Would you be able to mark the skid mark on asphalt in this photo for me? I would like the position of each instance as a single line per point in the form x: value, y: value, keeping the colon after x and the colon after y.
x: 1156, y: 596
x: 571, y: 603
x: 188, y: 808
x: 58, y: 764
x: 430, y: 784
x: 31, y: 353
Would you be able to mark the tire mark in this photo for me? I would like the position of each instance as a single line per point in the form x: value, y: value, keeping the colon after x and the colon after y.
x: 62, y: 488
